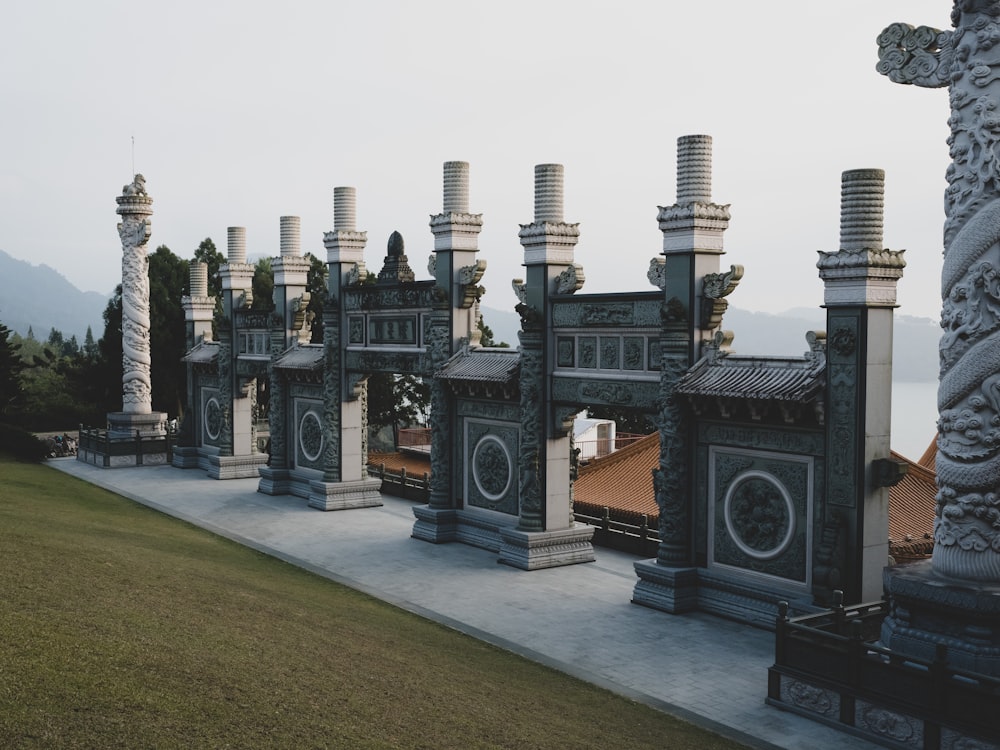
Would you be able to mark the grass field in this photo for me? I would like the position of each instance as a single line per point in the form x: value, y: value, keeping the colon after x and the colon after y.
x: 122, y: 627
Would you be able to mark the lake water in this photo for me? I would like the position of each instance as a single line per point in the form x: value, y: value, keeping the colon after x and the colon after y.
x: 914, y: 418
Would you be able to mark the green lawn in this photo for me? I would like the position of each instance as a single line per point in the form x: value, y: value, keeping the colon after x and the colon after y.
x: 122, y: 627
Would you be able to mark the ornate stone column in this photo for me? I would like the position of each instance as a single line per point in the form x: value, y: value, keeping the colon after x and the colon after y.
x: 199, y: 309
x: 692, y: 286
x: 547, y: 534
x: 956, y: 599
x: 135, y: 206
x: 345, y: 483
x: 860, y: 296
x: 237, y: 295
x: 454, y: 324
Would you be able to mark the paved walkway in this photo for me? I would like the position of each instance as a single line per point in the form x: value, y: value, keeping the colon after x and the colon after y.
x: 577, y: 619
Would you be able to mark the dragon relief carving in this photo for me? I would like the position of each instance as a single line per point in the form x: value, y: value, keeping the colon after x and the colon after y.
x: 965, y: 60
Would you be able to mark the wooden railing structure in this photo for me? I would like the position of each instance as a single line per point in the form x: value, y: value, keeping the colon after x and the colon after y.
x: 401, y: 484
x: 829, y: 667
x: 622, y: 530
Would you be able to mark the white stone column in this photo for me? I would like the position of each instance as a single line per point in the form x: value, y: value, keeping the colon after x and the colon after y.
x: 135, y: 207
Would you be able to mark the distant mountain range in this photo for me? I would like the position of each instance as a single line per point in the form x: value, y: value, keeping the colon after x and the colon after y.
x: 42, y: 298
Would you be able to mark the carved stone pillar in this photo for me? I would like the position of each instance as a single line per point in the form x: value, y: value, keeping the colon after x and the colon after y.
x: 546, y: 535
x: 135, y: 206
x: 689, y: 276
x: 956, y: 599
x: 860, y: 295
x: 345, y: 483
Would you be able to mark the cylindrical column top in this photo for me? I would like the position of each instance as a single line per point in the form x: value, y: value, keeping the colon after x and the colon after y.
x: 694, y: 169
x: 861, y: 209
x: 290, y: 237
x: 237, y: 244
x: 549, y: 193
x: 345, y: 209
x: 198, y: 278
x: 456, y: 187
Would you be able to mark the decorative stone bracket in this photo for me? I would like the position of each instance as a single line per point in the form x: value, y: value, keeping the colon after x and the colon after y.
x: 571, y: 279
x: 468, y: 280
x: 657, y: 273
x: 715, y: 286
x: 300, y: 309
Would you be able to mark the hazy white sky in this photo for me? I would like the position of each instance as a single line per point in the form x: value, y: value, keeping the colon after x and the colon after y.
x: 246, y: 111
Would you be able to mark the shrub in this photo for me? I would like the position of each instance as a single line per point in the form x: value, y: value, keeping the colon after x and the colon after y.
x: 21, y: 444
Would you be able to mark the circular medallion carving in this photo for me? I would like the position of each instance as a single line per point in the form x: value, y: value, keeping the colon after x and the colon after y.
x: 492, y: 469
x: 759, y: 514
x: 213, y: 418
x: 310, y: 435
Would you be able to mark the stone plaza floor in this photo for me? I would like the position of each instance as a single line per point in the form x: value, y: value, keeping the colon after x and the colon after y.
x: 577, y: 619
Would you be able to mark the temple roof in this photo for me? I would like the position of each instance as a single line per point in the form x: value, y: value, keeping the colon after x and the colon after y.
x: 760, y: 378
x: 305, y: 357
x: 204, y: 353
x: 621, y: 480
x: 482, y: 366
x: 911, y: 510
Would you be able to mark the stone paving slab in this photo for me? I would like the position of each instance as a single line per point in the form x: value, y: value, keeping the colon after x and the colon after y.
x: 578, y: 619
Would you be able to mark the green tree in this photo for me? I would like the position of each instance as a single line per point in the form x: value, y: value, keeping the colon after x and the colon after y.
x: 11, y: 367
x: 168, y: 282
x: 316, y: 284
x: 263, y: 286
x: 397, y: 401
x: 56, y: 339
x: 90, y: 348
x: 56, y: 391
x: 211, y: 257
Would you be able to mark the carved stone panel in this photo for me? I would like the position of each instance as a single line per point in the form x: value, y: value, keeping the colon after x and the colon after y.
x: 610, y: 353
x: 491, y: 450
x: 587, y: 347
x: 760, y: 512
x: 586, y: 392
x: 565, y: 351
x: 308, y: 433
x: 211, y: 416
x: 356, y: 330
x: 397, y: 330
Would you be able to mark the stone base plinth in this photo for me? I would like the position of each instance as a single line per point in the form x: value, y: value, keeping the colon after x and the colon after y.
x: 123, y: 424
x: 363, y: 493
x: 435, y: 525
x: 234, y: 467
x: 185, y: 457
x: 745, y: 598
x: 926, y: 609
x: 219, y: 467
x: 673, y: 590
x: 275, y: 481
x: 535, y: 550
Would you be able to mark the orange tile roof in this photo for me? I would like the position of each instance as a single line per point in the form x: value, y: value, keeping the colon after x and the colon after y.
x: 911, y: 511
x: 622, y: 480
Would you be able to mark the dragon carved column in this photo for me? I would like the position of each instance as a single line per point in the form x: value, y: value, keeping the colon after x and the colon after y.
x: 135, y: 207
x: 967, y: 61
